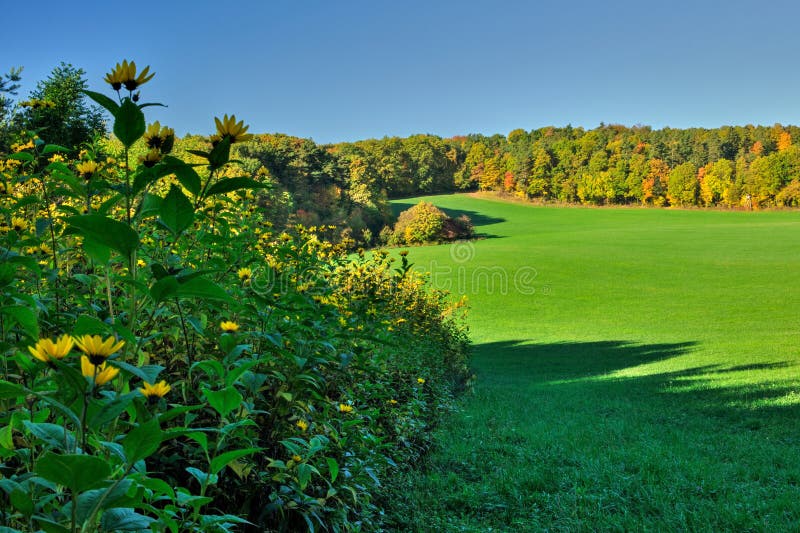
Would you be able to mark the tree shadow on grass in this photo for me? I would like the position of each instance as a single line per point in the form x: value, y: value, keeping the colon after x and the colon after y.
x: 570, y: 360
x: 611, y: 367
x: 613, y: 435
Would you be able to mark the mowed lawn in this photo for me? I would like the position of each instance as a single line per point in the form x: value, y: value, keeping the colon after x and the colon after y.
x: 637, y: 369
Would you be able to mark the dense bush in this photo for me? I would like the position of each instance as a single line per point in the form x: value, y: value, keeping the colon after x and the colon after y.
x: 171, y: 362
x: 425, y: 222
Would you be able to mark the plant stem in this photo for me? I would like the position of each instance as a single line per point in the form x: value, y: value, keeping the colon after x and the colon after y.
x: 74, y: 511
x: 185, y: 333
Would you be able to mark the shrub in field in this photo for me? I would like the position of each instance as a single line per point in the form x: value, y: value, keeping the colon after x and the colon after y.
x: 172, y: 363
x: 421, y: 223
x: 427, y: 223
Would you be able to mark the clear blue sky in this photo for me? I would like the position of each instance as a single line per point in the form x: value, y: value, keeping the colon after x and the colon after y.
x: 338, y: 70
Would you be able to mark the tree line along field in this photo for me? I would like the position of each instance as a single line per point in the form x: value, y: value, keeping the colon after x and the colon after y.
x: 349, y: 184
x: 648, y: 381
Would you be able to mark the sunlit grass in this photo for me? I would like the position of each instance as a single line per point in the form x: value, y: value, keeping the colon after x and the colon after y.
x: 648, y: 381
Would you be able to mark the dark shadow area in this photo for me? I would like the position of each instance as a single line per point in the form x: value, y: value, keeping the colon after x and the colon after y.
x: 571, y: 360
x: 557, y: 437
x: 588, y: 364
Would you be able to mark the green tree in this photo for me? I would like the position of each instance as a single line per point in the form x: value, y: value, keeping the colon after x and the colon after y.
x: 717, y: 177
x: 8, y: 87
x: 67, y: 120
x: 682, y: 188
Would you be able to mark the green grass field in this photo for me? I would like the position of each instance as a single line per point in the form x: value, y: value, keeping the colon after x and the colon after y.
x: 637, y: 369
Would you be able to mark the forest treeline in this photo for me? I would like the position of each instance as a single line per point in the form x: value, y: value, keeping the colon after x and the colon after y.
x: 350, y: 184
x: 743, y: 167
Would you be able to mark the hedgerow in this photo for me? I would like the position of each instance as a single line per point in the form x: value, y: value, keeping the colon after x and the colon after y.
x: 171, y: 363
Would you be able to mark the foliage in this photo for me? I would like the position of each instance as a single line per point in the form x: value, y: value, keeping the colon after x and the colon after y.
x: 171, y: 362
x: 58, y: 111
x: 9, y: 84
x: 610, y: 164
x: 425, y: 222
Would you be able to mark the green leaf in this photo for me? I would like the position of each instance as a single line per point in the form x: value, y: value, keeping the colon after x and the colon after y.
x: 7, y: 437
x: 66, y: 411
x: 21, y: 156
x: 110, y: 105
x: 148, y: 373
x: 150, y: 206
x: 223, y: 401
x: 158, y: 486
x: 99, y: 253
x: 204, y: 478
x: 203, y: 288
x: 220, y: 154
x: 176, y: 211
x: 109, y: 232
x: 51, y: 148
x: 333, y: 468
x: 129, y: 123
x: 237, y: 372
x: 164, y: 289
x: 234, y: 184
x: 178, y: 411
x: 186, y: 174
x: 106, y: 498
x: 144, y: 176
x: 22, y: 502
x: 142, y: 441
x: 52, y: 434
x: 221, y: 461
x: 200, y: 438
x: 104, y: 411
x: 212, y: 368
x: 89, y: 325
x: 76, y: 472
x: 25, y: 317
x: 10, y: 390
x: 303, y: 475
x: 124, y: 519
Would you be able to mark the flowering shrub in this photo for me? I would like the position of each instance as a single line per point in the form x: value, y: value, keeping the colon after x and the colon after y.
x: 170, y: 363
x: 425, y: 222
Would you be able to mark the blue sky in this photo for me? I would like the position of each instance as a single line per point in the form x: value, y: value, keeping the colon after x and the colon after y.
x: 339, y: 70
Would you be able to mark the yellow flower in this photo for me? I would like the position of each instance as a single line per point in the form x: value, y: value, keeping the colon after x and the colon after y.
x: 393, y: 401
x: 86, y: 169
x: 35, y: 103
x: 302, y: 424
x: 125, y: 74
x: 98, y: 349
x: 421, y: 381
x: 101, y: 374
x: 244, y: 274
x: 228, y: 127
x: 46, y: 350
x: 154, y: 392
x: 159, y: 138
x: 296, y: 458
x: 140, y: 263
x: 19, y: 224
x: 229, y: 327
x: 344, y: 408
x: 152, y: 157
